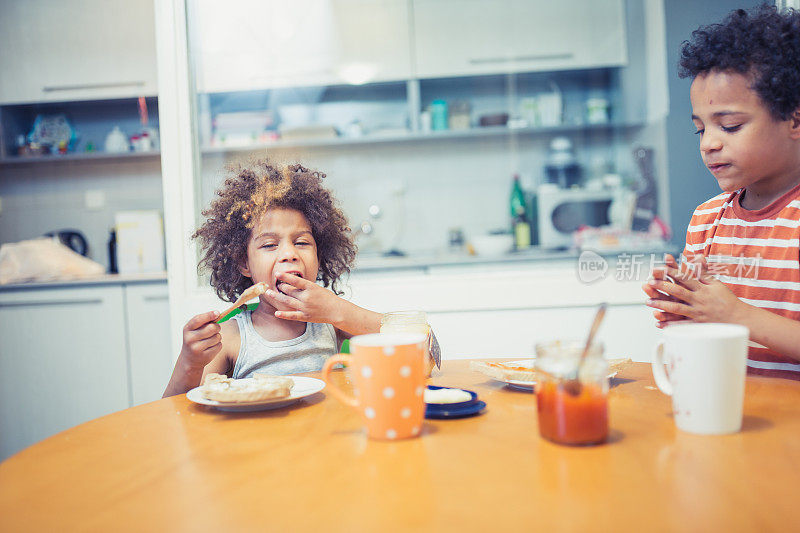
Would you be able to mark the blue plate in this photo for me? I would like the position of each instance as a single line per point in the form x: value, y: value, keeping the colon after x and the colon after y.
x: 454, y: 410
x: 449, y: 412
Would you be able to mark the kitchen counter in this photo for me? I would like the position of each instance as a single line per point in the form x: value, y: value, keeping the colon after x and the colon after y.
x: 378, y: 264
x: 108, y: 279
x: 368, y: 263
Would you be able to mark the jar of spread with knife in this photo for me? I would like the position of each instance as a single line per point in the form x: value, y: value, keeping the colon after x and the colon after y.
x: 414, y: 322
x: 572, y: 411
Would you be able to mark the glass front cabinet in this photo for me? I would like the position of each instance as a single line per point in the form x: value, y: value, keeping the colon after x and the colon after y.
x: 423, y: 109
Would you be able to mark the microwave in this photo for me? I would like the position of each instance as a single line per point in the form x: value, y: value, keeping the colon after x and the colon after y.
x: 561, y: 212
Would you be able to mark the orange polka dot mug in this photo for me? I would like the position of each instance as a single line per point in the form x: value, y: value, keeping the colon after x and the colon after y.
x: 388, y: 372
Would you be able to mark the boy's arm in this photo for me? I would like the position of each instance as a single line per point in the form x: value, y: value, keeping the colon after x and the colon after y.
x: 778, y: 333
x: 687, y: 258
x: 709, y: 300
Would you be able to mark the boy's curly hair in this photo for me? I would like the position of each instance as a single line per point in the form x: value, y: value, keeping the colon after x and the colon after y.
x: 763, y: 43
x: 248, y: 192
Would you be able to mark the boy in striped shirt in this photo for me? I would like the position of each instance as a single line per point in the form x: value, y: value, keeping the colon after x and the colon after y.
x: 741, y: 262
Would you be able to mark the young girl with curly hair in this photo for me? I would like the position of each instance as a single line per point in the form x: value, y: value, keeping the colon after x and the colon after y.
x: 277, y: 225
x: 743, y: 244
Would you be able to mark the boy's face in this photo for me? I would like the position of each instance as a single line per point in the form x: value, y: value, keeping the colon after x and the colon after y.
x: 281, y: 242
x: 741, y: 143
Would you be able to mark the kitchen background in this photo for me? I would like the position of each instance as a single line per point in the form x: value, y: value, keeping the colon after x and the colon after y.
x: 419, y: 111
x: 380, y: 153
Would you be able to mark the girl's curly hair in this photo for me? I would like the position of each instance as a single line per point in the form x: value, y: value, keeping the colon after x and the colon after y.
x: 763, y: 43
x: 248, y: 192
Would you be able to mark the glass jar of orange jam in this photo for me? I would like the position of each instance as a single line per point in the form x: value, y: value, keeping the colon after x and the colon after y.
x: 571, y: 411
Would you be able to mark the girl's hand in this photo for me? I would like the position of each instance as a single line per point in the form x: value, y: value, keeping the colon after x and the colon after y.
x: 311, y: 303
x: 201, y: 340
x: 698, y: 297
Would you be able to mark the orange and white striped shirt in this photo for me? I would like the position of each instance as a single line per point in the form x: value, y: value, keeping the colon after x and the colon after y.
x: 756, y: 254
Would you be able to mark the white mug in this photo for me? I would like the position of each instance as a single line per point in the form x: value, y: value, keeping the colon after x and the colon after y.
x: 707, y: 366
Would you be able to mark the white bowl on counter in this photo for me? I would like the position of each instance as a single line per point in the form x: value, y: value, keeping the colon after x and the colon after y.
x: 488, y: 245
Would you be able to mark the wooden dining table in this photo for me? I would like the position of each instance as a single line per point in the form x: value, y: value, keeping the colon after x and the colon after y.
x: 178, y: 466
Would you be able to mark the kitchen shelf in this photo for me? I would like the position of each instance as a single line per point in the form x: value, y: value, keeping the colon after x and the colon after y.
x: 84, y: 156
x: 411, y: 137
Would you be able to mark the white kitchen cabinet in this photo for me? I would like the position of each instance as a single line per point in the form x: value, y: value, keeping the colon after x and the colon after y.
x: 77, y: 50
x: 472, y: 37
x: 149, y: 340
x: 503, y: 309
x: 62, y: 361
x: 72, y: 353
x: 627, y: 331
x: 299, y: 43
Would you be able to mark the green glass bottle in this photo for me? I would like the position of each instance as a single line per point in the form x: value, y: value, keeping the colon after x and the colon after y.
x: 519, y: 222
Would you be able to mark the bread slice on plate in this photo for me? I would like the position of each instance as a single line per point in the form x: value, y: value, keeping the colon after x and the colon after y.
x: 617, y: 365
x: 503, y: 371
x: 513, y: 372
x: 258, y: 388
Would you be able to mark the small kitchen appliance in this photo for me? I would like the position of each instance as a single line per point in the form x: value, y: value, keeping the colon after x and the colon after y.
x: 564, y: 211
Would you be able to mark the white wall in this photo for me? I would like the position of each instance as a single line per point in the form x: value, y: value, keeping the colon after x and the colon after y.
x: 42, y: 197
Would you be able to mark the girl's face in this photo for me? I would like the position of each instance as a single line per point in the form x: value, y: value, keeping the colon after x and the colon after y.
x: 740, y: 141
x: 281, y: 242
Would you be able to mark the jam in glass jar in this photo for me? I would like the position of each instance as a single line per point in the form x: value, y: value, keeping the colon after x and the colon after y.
x: 571, y: 411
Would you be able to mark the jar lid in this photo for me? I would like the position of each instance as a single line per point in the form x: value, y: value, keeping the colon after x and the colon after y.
x: 405, y: 317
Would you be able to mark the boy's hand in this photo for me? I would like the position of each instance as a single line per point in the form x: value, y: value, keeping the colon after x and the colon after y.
x: 701, y: 298
x: 659, y: 273
x: 201, y: 339
x: 311, y: 302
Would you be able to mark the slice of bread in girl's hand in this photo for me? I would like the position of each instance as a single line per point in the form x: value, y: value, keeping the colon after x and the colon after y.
x: 258, y: 388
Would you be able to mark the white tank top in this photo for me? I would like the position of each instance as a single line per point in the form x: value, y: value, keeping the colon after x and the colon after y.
x: 306, y: 353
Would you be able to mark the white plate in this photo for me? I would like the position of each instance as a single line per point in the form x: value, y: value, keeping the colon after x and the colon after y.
x: 523, y: 385
x: 303, y: 386
x: 527, y: 385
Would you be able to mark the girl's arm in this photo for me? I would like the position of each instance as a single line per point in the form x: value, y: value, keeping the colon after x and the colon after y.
x: 355, y: 320
x: 361, y: 321
x: 312, y: 303
x: 341, y: 334
x: 206, y: 348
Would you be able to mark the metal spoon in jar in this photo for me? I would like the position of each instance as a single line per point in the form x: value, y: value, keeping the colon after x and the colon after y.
x: 574, y: 385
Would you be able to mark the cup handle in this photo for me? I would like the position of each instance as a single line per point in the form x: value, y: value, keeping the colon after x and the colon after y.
x: 659, y: 373
x: 336, y: 391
